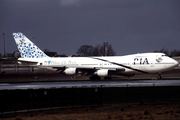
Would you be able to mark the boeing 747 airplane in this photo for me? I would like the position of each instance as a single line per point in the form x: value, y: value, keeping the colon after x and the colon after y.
x: 105, y: 66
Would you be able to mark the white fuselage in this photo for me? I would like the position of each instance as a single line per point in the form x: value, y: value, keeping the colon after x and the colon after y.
x: 132, y: 64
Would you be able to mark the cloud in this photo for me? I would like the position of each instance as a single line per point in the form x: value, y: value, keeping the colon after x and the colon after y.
x: 68, y: 2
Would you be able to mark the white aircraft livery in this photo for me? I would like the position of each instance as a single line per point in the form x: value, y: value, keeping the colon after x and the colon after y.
x: 96, y: 67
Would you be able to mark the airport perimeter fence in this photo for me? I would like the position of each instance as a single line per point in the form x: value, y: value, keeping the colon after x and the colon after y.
x: 13, y: 101
x: 12, y: 66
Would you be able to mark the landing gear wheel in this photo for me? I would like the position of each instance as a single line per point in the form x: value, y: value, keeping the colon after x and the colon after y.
x: 107, y: 78
x: 94, y: 77
x: 159, y: 77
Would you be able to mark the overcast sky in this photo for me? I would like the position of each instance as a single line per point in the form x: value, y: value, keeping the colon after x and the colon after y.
x: 130, y: 26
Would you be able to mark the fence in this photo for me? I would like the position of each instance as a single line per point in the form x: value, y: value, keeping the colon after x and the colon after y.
x: 12, y: 101
x: 11, y: 66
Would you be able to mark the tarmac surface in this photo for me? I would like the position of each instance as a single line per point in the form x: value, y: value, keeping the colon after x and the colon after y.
x: 80, y: 84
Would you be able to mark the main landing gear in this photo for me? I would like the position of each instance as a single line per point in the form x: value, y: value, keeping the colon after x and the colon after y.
x: 94, y: 77
x: 159, y: 77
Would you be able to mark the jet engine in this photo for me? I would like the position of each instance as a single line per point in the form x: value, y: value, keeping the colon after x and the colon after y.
x: 102, y: 72
x: 70, y: 71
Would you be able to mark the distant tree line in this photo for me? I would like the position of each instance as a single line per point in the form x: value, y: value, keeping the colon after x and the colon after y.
x: 89, y: 50
x: 98, y: 50
x: 171, y: 53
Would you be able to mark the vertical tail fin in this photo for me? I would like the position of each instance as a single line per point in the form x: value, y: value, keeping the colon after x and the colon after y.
x: 26, y: 48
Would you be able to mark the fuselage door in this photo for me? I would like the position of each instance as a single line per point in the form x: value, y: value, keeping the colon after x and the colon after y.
x: 152, y: 62
x: 129, y: 64
x: 101, y: 64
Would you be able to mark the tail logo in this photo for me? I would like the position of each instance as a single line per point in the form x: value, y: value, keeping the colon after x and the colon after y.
x: 27, y: 48
x: 30, y: 51
x: 22, y: 40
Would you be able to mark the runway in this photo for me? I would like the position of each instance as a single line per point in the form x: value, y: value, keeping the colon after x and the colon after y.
x: 80, y: 84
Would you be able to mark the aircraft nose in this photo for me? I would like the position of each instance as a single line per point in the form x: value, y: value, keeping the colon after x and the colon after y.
x: 176, y: 63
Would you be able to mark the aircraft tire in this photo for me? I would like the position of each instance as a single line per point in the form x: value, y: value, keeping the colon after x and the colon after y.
x: 107, y: 78
x: 94, y: 77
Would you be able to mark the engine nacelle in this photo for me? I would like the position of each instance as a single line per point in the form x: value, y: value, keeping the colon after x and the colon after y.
x: 102, y: 72
x: 70, y: 71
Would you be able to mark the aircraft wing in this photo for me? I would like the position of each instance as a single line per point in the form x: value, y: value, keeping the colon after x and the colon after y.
x: 83, y: 70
